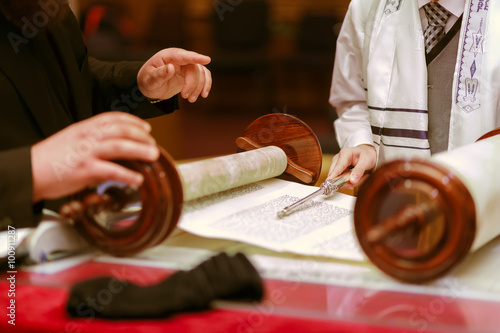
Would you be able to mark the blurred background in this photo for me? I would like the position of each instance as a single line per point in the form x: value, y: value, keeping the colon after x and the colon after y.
x: 267, y: 56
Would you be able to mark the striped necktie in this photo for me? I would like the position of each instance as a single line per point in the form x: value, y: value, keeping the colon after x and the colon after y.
x: 436, y: 18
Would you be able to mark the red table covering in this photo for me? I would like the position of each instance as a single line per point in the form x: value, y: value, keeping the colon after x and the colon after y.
x: 288, y: 307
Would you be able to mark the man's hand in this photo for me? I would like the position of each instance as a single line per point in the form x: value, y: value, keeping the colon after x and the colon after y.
x: 172, y: 71
x: 362, y: 158
x: 81, y: 154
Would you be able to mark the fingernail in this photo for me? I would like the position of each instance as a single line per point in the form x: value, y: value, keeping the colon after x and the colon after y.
x: 354, y: 179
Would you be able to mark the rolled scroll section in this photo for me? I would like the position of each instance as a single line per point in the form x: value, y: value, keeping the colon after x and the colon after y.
x: 227, y: 172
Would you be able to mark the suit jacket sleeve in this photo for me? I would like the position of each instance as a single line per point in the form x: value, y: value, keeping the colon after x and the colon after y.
x: 114, y: 88
x: 16, y: 208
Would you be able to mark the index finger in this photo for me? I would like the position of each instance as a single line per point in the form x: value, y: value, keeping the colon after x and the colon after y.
x: 358, y: 171
x: 106, y: 120
x: 339, y: 165
x: 183, y: 57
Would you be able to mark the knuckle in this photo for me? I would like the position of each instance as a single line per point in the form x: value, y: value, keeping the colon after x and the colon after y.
x: 116, y: 146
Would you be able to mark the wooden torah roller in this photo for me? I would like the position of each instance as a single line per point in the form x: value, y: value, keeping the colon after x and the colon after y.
x: 417, y: 219
x: 124, y: 221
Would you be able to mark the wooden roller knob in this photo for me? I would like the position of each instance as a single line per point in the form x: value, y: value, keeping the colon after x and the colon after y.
x: 160, y: 198
x: 414, y: 219
x: 294, y: 137
x: 417, y: 219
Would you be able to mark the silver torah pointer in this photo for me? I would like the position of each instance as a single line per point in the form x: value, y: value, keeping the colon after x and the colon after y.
x: 327, y: 188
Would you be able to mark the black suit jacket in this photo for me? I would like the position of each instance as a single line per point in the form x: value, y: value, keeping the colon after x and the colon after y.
x: 28, y: 115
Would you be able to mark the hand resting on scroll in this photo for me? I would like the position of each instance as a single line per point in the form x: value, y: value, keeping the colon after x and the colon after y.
x: 81, y: 154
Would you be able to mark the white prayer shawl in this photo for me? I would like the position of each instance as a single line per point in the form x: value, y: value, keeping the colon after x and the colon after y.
x: 388, y: 52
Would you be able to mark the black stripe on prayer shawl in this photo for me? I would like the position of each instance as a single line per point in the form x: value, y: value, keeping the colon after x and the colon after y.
x: 395, y: 146
x: 397, y: 110
x: 398, y: 132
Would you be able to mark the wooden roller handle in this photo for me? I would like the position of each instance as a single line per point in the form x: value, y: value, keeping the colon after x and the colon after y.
x: 292, y: 168
x: 114, y: 199
x: 419, y: 215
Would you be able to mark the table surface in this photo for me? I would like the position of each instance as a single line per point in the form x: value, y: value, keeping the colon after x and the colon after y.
x: 290, y: 305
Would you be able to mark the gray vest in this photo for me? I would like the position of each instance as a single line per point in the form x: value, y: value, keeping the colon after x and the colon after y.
x: 440, y: 85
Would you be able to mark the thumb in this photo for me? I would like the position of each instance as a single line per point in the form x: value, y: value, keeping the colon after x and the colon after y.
x: 158, y: 76
x: 164, y: 73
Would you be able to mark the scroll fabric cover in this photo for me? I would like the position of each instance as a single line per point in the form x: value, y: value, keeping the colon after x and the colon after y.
x: 221, y: 277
